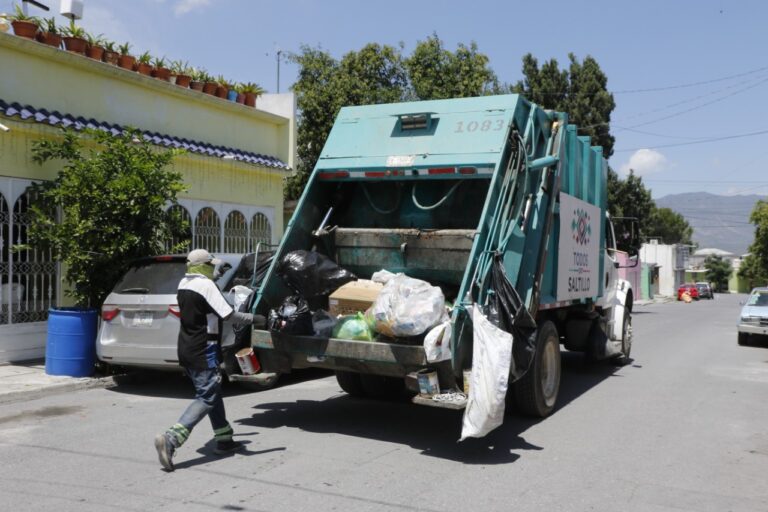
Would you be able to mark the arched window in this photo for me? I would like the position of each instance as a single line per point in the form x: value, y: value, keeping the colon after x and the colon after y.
x: 28, y: 277
x: 235, y: 233
x: 261, y: 231
x: 207, y: 230
x: 172, y: 245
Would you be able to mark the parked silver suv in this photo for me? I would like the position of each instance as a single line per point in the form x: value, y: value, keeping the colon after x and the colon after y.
x: 140, y: 318
x: 754, y: 316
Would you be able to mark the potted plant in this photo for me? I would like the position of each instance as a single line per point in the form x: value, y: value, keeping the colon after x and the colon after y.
x: 222, y: 87
x: 209, y: 84
x: 95, y: 48
x: 50, y: 33
x: 23, y: 25
x: 126, y: 60
x: 240, y: 94
x: 161, y: 72
x: 182, y: 72
x: 144, y: 64
x: 89, y: 221
x: 251, y: 91
x: 110, y: 53
x: 74, y: 39
x: 198, y: 79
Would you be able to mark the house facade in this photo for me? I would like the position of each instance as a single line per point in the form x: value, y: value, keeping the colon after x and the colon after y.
x: 234, y: 163
x: 670, y: 261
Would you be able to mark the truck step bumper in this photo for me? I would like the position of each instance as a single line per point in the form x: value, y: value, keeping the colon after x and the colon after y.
x: 456, y: 405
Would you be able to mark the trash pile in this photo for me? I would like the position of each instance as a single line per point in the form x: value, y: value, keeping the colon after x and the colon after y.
x: 391, y: 308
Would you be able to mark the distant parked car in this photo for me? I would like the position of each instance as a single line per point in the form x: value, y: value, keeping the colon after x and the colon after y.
x: 690, y: 288
x: 754, y: 316
x: 705, y: 291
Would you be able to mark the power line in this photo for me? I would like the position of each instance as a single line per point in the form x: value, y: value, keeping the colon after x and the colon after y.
x: 691, y: 84
x: 701, y: 141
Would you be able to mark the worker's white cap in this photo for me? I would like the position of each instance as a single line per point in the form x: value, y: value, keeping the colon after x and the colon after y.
x: 199, y: 256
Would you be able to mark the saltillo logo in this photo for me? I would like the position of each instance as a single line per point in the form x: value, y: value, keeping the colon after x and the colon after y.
x: 581, y: 229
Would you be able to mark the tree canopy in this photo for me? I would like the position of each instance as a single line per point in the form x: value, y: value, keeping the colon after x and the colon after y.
x: 755, y: 265
x: 718, y: 271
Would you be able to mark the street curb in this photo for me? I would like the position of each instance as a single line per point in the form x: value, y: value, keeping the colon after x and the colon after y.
x: 65, y: 387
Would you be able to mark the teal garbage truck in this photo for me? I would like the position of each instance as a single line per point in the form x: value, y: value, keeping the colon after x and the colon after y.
x: 496, y: 201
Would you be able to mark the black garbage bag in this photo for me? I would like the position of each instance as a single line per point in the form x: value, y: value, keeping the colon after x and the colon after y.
x: 292, y: 317
x: 507, y: 312
x: 247, y: 275
x: 311, y: 274
x: 323, y: 323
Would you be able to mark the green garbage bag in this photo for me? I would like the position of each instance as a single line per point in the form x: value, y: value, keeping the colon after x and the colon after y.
x: 353, y: 327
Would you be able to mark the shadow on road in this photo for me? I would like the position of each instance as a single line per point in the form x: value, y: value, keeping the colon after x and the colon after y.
x: 207, y: 455
x: 434, y: 432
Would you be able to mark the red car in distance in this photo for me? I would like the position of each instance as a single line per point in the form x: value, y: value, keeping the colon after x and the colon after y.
x: 690, y: 288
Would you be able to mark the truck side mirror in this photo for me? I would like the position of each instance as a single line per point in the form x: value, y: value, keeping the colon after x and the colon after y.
x: 627, y: 235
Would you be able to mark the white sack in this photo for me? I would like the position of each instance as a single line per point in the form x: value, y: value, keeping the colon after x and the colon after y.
x: 382, y: 276
x: 241, y: 294
x: 437, y: 343
x: 407, y: 307
x: 491, y: 360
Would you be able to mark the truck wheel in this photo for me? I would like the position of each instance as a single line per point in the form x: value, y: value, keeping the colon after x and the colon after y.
x: 379, y: 386
x: 536, y: 391
x: 743, y: 338
x: 626, y: 340
x: 350, y: 383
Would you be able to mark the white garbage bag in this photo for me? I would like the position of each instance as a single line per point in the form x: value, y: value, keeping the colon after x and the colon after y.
x: 241, y: 294
x: 382, y: 276
x: 491, y: 360
x: 437, y: 343
x: 407, y: 307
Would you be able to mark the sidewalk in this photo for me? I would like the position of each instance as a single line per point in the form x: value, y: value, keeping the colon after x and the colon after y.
x: 28, y: 381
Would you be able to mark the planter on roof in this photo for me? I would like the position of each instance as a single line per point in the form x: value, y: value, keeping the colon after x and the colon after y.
x: 232, y: 95
x: 250, y: 99
x: 144, y: 68
x: 110, y: 57
x: 126, y: 61
x: 162, y: 74
x: 95, y: 52
x: 210, y: 88
x: 185, y: 81
x: 75, y: 44
x: 49, y: 38
x: 240, y: 98
x: 221, y: 92
x: 196, y: 86
x: 23, y: 28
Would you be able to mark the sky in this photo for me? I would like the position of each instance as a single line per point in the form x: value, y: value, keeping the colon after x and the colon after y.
x: 689, y: 77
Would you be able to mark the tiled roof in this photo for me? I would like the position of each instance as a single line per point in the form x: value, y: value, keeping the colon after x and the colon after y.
x: 55, y: 118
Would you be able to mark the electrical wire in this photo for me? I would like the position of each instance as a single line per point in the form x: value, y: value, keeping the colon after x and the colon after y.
x: 691, y: 84
x: 702, y: 141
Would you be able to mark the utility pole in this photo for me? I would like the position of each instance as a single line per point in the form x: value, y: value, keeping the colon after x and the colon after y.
x: 279, y: 53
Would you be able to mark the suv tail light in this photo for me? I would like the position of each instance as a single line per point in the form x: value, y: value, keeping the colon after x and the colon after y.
x: 174, y: 310
x: 109, y: 312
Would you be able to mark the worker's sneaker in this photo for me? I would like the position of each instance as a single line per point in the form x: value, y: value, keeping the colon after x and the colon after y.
x: 165, y: 451
x: 225, y: 447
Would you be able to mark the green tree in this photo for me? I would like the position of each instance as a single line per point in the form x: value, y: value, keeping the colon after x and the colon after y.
x: 718, y: 271
x: 436, y: 73
x: 755, y: 265
x: 106, y: 207
x: 581, y: 91
x: 669, y: 226
x: 629, y: 198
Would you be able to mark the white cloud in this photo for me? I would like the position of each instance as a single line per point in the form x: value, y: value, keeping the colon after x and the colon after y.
x: 182, y: 7
x: 644, y: 161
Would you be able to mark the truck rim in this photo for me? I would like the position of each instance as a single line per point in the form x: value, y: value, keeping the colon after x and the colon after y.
x: 549, y: 373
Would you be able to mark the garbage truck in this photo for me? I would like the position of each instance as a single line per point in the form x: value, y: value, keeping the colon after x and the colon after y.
x: 496, y: 201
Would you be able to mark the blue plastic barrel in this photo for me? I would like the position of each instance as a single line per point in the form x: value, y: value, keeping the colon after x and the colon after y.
x: 70, y: 347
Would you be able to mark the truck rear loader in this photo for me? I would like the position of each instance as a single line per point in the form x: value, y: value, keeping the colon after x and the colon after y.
x: 459, y: 192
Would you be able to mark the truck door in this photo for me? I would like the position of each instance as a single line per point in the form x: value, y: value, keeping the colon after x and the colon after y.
x: 611, y: 264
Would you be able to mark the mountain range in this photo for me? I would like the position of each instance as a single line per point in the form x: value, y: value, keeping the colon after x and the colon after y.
x: 720, y: 222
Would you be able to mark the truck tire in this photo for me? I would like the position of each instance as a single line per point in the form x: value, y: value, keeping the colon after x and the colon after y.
x: 626, y: 340
x: 536, y: 392
x: 381, y: 387
x: 350, y: 383
x: 743, y: 338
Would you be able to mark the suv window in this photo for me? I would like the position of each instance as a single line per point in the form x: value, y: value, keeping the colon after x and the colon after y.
x: 153, y: 277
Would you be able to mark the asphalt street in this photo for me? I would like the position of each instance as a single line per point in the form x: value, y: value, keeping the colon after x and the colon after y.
x: 681, y: 428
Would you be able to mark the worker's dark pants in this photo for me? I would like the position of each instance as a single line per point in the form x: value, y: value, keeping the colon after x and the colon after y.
x: 208, y: 401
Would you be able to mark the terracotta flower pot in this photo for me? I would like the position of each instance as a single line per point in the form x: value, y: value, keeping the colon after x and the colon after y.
x: 24, y: 29
x: 144, y: 69
x: 221, y: 92
x: 162, y: 74
x: 111, y: 57
x: 196, y: 86
x: 95, y: 52
x: 210, y: 88
x: 75, y: 44
x: 183, y: 80
x: 49, y: 38
x: 250, y: 99
x: 240, y: 98
x: 126, y: 61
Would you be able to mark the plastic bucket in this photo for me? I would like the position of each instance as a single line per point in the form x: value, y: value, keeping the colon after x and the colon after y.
x: 248, y: 362
x: 70, y: 348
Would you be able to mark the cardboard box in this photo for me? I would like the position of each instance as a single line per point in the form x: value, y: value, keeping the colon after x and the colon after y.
x: 353, y: 297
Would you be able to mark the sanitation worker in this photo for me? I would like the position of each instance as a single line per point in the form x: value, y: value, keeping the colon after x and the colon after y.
x: 202, y: 309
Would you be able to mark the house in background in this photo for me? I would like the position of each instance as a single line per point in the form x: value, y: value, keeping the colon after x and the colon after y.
x: 235, y: 161
x: 669, y: 261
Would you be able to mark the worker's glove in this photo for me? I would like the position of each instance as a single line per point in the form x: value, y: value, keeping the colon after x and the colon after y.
x: 239, y: 318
